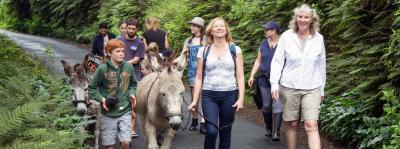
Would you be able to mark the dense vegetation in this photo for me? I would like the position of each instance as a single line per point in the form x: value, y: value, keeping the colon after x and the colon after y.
x: 36, y: 112
x: 362, y: 38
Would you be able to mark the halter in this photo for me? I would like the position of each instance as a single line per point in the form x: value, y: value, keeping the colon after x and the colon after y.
x: 166, y: 115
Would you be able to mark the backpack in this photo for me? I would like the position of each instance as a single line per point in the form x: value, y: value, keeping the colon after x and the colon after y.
x: 232, y: 50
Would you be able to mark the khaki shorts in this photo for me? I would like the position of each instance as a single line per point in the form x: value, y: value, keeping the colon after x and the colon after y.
x: 296, y: 101
x: 111, y: 127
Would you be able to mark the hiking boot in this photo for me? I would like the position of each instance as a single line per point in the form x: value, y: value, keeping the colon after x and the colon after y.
x: 277, y: 126
x: 193, y: 126
x: 268, y: 123
x: 203, y: 128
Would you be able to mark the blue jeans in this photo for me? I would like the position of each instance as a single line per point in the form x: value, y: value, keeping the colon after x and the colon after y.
x: 217, y: 105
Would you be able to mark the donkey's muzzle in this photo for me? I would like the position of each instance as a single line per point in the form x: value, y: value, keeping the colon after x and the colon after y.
x: 175, y: 122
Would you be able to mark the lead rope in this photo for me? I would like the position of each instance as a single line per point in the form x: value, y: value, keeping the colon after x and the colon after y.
x: 205, y: 119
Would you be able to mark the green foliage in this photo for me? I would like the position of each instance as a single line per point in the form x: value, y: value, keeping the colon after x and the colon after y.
x: 362, y: 39
x: 34, y: 105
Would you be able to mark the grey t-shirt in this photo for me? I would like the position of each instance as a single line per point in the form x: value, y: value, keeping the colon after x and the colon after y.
x: 220, y: 72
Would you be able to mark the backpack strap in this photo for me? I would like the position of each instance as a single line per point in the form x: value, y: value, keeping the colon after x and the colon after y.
x: 205, y: 55
x: 232, y: 50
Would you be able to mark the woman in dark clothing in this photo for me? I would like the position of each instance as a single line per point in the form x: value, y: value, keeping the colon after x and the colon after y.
x: 154, y: 34
x: 263, y: 63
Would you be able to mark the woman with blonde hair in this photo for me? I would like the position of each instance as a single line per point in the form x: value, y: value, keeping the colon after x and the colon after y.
x: 220, y: 79
x: 298, y: 74
x: 154, y: 34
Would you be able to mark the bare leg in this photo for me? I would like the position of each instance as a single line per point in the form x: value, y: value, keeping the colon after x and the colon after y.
x: 291, y: 133
x: 168, y: 135
x: 311, y: 127
x: 109, y: 147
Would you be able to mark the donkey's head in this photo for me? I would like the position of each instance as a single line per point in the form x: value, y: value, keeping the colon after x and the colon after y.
x: 79, y: 82
x: 171, y: 88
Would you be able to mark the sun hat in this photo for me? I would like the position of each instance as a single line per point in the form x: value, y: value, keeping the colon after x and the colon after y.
x: 197, y: 21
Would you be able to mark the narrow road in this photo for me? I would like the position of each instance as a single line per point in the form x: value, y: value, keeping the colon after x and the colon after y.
x: 245, y: 135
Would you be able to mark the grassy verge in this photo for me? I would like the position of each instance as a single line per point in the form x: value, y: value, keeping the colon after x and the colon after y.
x: 36, y: 112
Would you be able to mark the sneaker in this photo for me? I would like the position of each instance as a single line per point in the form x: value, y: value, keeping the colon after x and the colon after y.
x: 135, y: 135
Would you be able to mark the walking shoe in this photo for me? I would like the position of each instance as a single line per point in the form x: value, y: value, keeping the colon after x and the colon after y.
x: 277, y: 126
x: 193, y: 126
x: 203, y: 128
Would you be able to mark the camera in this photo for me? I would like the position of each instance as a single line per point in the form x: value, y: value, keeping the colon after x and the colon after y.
x: 112, y: 101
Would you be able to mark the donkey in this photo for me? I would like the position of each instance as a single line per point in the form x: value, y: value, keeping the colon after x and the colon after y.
x: 159, y: 101
x: 79, y: 78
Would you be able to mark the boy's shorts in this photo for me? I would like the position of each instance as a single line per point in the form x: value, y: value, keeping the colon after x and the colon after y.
x: 296, y: 101
x: 111, y: 126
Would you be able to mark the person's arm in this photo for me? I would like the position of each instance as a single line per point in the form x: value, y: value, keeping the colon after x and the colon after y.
x: 166, y: 41
x: 94, y: 47
x: 132, y: 84
x: 184, y: 51
x: 94, y: 88
x: 322, y: 69
x: 239, y: 79
x: 198, y: 81
x: 277, y: 64
x: 255, y: 68
x: 144, y: 42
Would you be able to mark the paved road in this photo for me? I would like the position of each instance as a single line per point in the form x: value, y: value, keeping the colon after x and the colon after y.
x: 245, y: 135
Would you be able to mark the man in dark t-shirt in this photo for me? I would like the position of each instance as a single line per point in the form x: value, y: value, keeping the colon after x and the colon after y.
x: 134, y: 54
x: 134, y: 48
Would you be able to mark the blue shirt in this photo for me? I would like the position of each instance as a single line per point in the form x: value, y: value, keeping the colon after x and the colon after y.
x: 267, y: 53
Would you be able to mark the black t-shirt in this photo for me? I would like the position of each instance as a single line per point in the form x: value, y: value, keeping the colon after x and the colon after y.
x: 157, y: 36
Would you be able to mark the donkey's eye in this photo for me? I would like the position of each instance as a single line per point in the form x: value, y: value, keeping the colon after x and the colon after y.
x: 163, y: 94
x: 86, y: 89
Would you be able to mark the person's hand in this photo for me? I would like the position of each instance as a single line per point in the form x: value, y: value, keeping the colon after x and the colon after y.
x: 185, y: 50
x: 275, y: 94
x: 104, y: 104
x: 238, y: 104
x: 192, y: 107
x: 133, y: 100
x: 250, y: 81
x: 322, y: 98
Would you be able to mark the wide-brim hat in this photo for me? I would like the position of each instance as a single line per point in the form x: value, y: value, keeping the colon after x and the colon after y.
x: 197, y: 21
x: 271, y: 25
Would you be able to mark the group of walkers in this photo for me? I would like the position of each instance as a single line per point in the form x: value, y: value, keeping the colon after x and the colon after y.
x: 288, y: 77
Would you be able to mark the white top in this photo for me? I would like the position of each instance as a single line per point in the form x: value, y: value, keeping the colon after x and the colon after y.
x: 303, y: 64
x: 220, y: 72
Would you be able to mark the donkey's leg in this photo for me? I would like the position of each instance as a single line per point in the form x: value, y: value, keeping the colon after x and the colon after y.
x: 168, y: 136
x: 150, y: 132
x: 142, y: 125
x: 97, y: 128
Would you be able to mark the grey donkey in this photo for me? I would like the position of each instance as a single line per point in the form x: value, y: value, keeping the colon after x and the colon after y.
x: 159, y: 101
x: 79, y: 77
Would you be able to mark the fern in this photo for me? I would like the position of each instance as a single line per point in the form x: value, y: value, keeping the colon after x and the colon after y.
x: 11, y: 122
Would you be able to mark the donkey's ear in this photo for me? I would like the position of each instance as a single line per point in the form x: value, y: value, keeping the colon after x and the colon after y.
x: 85, y: 63
x: 155, y: 65
x: 68, y: 70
